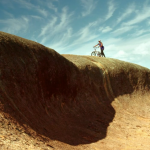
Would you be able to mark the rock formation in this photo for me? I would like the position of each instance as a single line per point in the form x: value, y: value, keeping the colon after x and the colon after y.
x: 70, y: 102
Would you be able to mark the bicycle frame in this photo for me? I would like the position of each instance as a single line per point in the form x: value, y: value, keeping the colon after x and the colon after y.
x: 95, y: 52
x: 95, y: 47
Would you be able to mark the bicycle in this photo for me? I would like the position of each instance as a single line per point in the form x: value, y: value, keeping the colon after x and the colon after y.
x: 96, y: 53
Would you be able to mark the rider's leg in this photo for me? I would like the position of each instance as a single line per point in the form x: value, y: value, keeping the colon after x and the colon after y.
x: 102, y: 53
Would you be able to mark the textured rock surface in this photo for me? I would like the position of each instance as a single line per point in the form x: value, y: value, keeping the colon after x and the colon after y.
x: 50, y: 101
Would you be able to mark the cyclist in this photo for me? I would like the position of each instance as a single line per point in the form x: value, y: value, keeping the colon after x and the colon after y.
x: 100, y: 44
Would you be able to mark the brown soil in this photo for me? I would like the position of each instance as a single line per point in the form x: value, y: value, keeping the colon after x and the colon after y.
x: 68, y: 102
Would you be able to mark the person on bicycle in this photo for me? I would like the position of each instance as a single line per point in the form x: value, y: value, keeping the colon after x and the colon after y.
x: 100, y: 44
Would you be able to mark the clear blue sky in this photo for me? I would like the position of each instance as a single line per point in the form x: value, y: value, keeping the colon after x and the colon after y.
x: 75, y: 26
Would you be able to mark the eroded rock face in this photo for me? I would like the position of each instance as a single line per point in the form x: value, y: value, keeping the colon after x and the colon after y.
x: 53, y: 101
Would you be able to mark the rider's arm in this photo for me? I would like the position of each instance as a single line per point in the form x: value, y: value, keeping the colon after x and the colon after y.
x: 96, y: 45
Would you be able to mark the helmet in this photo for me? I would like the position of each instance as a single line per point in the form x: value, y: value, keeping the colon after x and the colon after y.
x: 99, y: 40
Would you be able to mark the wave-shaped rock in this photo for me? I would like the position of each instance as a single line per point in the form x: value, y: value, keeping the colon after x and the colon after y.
x: 53, y: 101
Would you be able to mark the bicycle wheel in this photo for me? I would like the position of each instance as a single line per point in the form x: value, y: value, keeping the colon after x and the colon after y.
x: 99, y: 54
x: 93, y: 53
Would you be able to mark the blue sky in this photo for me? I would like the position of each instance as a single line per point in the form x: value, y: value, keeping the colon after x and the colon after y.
x: 75, y: 26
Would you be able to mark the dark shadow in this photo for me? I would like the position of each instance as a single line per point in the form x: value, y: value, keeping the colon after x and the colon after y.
x: 53, y: 97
